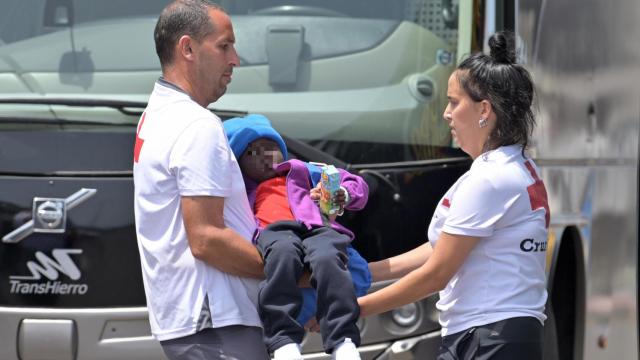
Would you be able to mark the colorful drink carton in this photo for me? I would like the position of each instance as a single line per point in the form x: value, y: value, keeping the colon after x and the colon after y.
x: 330, y: 185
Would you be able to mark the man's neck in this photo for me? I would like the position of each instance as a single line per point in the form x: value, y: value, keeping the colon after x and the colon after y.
x: 176, y: 78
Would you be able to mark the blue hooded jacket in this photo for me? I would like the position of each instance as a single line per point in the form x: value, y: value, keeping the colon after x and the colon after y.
x: 241, y: 132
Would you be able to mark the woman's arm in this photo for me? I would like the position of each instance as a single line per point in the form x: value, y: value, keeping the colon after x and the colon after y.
x: 400, y: 265
x: 444, y: 261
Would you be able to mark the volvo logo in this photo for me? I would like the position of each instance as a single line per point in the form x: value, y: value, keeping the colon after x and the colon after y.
x: 49, y: 215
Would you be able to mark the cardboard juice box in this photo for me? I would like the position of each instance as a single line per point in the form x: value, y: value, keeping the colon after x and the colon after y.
x: 330, y: 184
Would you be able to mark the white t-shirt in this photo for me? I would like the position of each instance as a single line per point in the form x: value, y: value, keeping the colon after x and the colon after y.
x: 181, y: 150
x: 501, y: 200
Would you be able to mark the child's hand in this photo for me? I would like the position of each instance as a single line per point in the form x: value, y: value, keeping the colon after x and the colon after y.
x: 316, y: 192
x: 340, y: 198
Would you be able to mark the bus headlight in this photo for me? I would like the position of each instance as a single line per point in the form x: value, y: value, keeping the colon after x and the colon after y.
x: 403, y: 320
x: 406, y: 316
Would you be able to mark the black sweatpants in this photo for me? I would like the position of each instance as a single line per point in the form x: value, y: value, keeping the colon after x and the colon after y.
x: 286, y: 247
x: 516, y: 338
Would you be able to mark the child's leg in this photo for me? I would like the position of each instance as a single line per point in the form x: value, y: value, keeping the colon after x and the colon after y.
x: 279, y: 296
x: 338, y: 311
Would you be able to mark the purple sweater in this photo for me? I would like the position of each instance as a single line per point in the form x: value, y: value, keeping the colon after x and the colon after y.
x: 304, y: 209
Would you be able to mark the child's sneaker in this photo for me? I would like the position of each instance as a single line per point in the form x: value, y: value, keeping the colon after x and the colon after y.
x: 346, y: 351
x: 290, y: 351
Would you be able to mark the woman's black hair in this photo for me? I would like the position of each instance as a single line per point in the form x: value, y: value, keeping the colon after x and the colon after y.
x: 506, y: 85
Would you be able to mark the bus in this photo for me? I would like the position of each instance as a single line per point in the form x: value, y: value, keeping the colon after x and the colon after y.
x: 360, y: 84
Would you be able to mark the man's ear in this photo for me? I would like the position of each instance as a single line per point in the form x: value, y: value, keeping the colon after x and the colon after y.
x: 186, y: 46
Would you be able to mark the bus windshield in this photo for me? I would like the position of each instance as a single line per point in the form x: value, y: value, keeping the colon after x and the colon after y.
x: 362, y: 80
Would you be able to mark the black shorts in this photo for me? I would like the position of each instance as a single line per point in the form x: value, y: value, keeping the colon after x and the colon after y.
x: 516, y: 338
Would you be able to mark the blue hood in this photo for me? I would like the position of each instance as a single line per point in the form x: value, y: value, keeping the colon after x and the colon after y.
x: 242, y: 131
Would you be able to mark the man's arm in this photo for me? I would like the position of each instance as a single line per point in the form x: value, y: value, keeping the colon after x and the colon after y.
x: 214, y: 243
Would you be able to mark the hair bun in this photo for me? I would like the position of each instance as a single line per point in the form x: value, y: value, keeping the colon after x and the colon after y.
x: 502, y: 47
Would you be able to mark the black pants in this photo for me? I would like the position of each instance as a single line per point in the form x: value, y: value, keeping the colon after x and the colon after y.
x: 517, y: 338
x: 230, y: 342
x: 286, y: 247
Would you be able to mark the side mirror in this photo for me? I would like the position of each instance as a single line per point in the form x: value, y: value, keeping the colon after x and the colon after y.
x: 58, y: 13
x: 77, y: 68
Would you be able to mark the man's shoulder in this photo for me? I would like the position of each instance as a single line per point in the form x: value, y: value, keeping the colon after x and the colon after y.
x: 192, y: 111
x: 186, y: 114
x: 169, y: 102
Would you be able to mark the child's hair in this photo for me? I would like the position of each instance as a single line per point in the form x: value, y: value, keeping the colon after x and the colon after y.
x: 242, y: 131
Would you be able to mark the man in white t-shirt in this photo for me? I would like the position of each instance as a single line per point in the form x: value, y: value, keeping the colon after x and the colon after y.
x: 193, y: 220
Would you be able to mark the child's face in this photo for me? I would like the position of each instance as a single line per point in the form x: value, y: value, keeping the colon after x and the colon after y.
x: 259, y: 158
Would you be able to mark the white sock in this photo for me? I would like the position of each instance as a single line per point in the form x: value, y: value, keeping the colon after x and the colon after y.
x: 346, y: 350
x: 290, y: 351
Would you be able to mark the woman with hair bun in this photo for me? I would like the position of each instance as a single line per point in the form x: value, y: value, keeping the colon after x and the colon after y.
x: 488, y: 235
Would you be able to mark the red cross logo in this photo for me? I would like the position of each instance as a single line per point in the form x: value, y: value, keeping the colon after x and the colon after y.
x: 139, y: 141
x: 538, y: 194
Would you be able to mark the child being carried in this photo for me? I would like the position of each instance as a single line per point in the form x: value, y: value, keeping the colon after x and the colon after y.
x: 294, y: 233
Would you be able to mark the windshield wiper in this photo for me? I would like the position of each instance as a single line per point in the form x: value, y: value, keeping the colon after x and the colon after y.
x: 55, y: 121
x: 126, y: 107
x: 135, y: 108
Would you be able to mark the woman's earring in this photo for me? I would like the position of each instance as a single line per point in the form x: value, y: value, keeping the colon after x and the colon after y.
x: 482, y: 122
